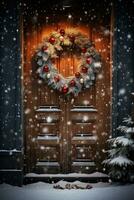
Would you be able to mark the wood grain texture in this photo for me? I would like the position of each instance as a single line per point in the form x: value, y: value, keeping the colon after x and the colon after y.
x: 66, y: 125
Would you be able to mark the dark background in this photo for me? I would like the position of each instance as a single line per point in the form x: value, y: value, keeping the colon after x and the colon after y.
x: 11, y: 120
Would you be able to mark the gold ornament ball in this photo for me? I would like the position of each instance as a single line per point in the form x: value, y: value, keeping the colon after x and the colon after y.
x: 61, y: 38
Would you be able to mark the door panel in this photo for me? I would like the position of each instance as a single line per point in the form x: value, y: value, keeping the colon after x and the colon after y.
x: 61, y: 135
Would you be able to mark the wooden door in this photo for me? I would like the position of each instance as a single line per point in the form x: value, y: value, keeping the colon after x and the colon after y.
x: 61, y: 135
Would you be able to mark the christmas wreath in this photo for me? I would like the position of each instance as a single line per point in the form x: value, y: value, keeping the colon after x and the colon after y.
x: 52, y: 47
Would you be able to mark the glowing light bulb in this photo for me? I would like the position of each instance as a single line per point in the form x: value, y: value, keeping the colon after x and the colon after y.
x: 69, y: 16
x: 49, y: 119
x: 85, y: 118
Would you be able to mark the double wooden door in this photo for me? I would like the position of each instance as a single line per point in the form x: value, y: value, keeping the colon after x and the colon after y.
x: 66, y: 135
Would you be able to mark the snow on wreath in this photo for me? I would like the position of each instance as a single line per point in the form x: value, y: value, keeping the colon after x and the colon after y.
x: 53, y: 46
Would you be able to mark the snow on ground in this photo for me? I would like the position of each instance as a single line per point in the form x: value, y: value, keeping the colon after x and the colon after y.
x: 95, y: 174
x: 45, y: 191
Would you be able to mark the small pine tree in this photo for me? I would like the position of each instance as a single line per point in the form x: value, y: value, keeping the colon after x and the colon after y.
x: 121, y: 154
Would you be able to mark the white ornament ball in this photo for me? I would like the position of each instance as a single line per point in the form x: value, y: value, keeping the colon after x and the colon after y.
x: 81, y: 80
x: 48, y: 75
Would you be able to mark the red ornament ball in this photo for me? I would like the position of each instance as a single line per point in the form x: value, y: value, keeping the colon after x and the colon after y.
x: 84, y: 49
x: 89, y: 60
x: 62, y: 32
x: 72, y: 38
x: 45, y: 68
x: 77, y: 74
x: 72, y: 83
x: 52, y: 40
x: 44, y: 48
x: 57, y: 78
x: 84, y: 69
x: 64, y: 89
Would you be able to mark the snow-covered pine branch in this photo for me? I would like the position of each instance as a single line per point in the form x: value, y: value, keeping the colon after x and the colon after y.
x: 126, y: 129
x: 120, y: 154
x: 128, y: 120
x: 120, y: 161
x: 123, y: 141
